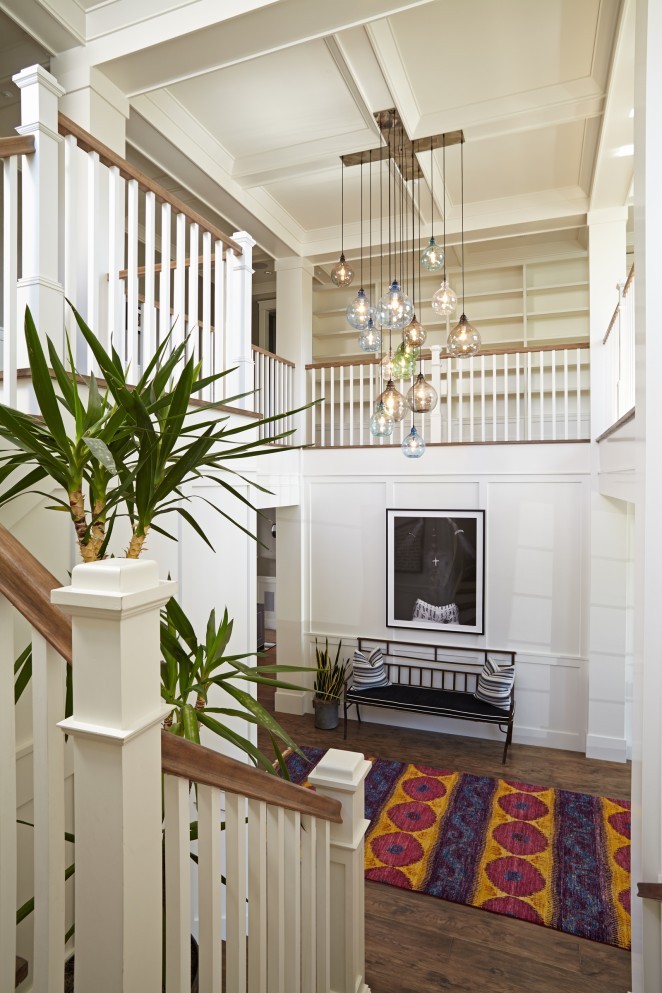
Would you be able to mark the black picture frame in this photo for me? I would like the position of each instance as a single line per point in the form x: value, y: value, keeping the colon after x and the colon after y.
x: 435, y: 570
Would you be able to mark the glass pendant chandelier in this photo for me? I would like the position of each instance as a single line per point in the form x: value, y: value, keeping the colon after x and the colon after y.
x: 342, y: 273
x: 395, y: 310
x: 464, y: 338
x: 444, y: 301
x: 370, y: 339
x: 359, y: 311
x: 422, y: 397
x: 415, y: 333
x: 403, y: 364
x: 393, y: 401
x: 381, y: 422
x: 413, y: 447
x: 433, y: 257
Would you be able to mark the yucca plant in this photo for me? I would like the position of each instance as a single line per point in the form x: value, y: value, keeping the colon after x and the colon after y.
x: 130, y: 451
x: 330, y: 673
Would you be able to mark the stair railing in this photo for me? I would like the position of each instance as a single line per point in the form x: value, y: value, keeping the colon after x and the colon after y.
x: 263, y: 883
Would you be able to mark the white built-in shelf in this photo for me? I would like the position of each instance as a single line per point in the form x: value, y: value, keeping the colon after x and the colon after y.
x: 557, y: 286
x: 532, y: 314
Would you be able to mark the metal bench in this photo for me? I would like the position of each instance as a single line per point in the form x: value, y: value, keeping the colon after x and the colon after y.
x: 432, y: 679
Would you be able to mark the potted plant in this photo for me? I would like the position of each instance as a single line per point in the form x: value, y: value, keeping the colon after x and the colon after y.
x: 329, y: 682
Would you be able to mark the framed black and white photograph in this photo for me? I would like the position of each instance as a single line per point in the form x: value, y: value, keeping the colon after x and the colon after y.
x: 435, y: 570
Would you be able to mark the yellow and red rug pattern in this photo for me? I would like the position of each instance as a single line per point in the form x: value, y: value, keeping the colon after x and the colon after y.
x: 552, y: 857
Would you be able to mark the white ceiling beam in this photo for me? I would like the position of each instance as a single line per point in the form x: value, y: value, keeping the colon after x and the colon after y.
x: 56, y: 26
x: 614, y: 163
x: 175, y: 45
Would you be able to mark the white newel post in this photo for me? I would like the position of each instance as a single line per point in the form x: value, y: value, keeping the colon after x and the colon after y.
x: 239, y: 321
x: 116, y: 730
x: 341, y: 775
x: 39, y: 286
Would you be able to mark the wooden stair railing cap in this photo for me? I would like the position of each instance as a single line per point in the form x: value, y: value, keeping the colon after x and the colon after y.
x: 27, y: 584
x: 203, y: 765
x: 649, y: 891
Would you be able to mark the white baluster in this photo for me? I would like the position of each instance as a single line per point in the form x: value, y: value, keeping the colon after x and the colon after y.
x: 553, y: 395
x: 165, y: 320
x: 483, y: 383
x: 177, y: 884
x: 48, y: 680
x: 69, y: 247
x: 351, y: 404
x: 148, y: 323
x: 529, y: 397
x: 8, y: 806
x: 133, y: 340
x: 235, y: 896
x: 257, y: 896
x: 506, y: 397
x: 323, y: 906
x: 373, y: 370
x: 435, y: 380
x: 10, y: 276
x: 494, y: 397
x: 192, y: 329
x: 542, y: 395
x: 292, y: 869
x: 471, y: 398
x: 459, y: 400
x: 579, y: 393
x: 322, y: 408
x: 179, y: 297
x: 332, y: 407
x: 518, y: 433
x: 219, y: 318
x: 207, y: 363
x: 566, y: 435
x: 308, y: 902
x: 209, y: 895
x: 276, y: 951
x: 449, y: 399
x: 92, y: 260
x: 114, y: 330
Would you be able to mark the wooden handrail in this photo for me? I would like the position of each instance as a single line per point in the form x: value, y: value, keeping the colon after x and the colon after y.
x: 610, y: 326
x: 649, y: 891
x: 20, y: 144
x: 203, y: 765
x: 110, y: 158
x: 27, y: 584
x: 272, y: 355
x: 626, y: 286
x: 561, y: 346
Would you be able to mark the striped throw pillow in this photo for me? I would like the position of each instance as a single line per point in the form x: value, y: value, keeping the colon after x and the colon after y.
x: 368, y: 671
x: 495, y: 684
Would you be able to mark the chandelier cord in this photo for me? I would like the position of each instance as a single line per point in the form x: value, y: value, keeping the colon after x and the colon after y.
x: 462, y: 213
x: 431, y: 190
x: 444, y: 200
x: 361, y: 224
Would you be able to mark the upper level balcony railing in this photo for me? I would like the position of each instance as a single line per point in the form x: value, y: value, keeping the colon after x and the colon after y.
x: 500, y: 396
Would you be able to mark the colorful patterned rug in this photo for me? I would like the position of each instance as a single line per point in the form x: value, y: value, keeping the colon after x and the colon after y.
x: 552, y: 857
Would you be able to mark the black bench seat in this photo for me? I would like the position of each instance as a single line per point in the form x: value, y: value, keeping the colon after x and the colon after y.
x: 421, y: 685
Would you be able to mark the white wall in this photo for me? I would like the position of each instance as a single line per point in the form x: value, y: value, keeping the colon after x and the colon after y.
x: 536, y: 500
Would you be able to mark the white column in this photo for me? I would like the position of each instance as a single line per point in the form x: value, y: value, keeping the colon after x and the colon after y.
x: 292, y: 600
x: 238, y: 328
x: 294, y: 326
x: 39, y: 286
x: 607, y: 268
x: 116, y: 729
x: 341, y: 775
x: 647, y: 728
x: 93, y: 101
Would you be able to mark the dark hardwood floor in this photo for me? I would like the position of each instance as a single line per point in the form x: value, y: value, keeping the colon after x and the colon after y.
x: 419, y: 944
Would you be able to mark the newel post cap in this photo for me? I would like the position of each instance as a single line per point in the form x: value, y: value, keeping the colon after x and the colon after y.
x: 340, y: 770
x: 114, y: 585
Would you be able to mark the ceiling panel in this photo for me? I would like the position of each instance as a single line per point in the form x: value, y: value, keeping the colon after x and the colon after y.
x: 261, y: 105
x: 517, y: 164
x: 458, y: 53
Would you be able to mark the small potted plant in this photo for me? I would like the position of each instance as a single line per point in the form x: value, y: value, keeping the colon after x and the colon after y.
x: 329, y: 681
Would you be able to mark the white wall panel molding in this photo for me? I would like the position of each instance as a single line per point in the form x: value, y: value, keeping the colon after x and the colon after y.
x: 608, y: 749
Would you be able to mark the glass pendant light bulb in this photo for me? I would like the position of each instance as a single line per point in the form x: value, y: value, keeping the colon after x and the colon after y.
x: 359, y: 311
x: 393, y: 400
x: 370, y: 339
x: 422, y: 398
x: 464, y: 339
x: 444, y: 301
x: 403, y: 364
x: 413, y: 446
x: 415, y: 333
x: 395, y: 310
x: 342, y: 273
x: 432, y: 258
x: 381, y: 422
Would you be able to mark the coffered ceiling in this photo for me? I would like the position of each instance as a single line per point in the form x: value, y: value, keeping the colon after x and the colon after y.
x: 250, y: 103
